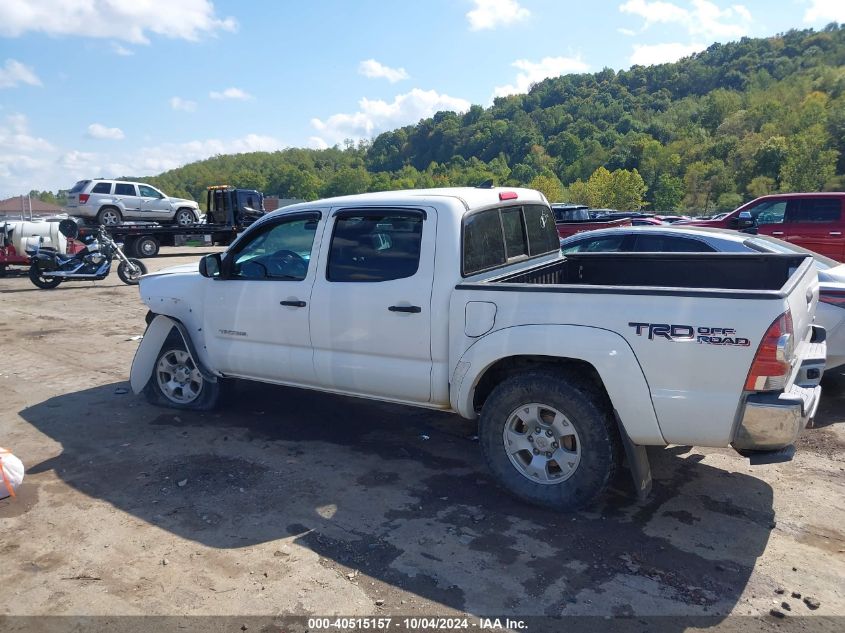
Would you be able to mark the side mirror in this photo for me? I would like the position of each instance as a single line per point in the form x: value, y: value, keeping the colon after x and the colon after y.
x: 745, y: 219
x: 211, y: 265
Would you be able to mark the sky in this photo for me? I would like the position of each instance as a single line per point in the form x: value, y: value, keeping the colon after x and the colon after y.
x: 109, y: 88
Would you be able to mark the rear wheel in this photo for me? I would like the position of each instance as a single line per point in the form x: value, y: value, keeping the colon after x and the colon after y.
x: 109, y: 216
x: 37, y: 277
x: 177, y: 382
x: 146, y: 246
x: 131, y: 273
x: 550, y: 440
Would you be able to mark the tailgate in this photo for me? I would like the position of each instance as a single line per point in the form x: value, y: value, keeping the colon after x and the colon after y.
x: 802, y: 298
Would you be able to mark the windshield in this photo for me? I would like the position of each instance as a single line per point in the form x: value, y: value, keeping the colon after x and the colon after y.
x: 765, y: 244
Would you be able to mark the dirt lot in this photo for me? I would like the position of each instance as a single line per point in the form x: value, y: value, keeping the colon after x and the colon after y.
x: 289, y: 501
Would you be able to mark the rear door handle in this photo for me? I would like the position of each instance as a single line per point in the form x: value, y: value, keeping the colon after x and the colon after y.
x: 293, y: 304
x: 836, y: 232
x: 777, y: 232
x: 411, y: 309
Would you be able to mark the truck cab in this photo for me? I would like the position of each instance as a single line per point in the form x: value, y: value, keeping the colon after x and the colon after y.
x: 232, y: 206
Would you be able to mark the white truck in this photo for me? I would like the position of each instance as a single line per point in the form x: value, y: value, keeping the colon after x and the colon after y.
x: 460, y: 300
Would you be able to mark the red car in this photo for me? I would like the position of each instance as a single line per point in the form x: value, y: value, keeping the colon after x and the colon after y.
x: 811, y: 220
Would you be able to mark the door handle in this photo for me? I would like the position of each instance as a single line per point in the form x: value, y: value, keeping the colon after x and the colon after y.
x: 293, y: 304
x: 777, y: 232
x: 836, y: 232
x: 411, y: 309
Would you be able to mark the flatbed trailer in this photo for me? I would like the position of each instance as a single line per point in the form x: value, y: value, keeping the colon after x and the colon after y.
x: 144, y: 239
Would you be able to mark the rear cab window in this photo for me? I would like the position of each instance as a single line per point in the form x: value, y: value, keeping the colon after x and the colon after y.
x: 815, y: 210
x: 500, y: 236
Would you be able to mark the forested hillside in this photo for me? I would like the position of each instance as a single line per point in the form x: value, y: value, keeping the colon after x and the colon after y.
x: 733, y: 122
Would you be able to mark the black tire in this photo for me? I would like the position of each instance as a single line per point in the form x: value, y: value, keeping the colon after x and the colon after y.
x: 128, y: 276
x: 146, y: 246
x: 585, y: 407
x: 36, y: 277
x: 109, y: 216
x: 208, y: 392
x: 184, y: 217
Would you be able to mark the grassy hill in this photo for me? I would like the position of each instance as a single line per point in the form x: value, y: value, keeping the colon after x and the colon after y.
x: 707, y: 132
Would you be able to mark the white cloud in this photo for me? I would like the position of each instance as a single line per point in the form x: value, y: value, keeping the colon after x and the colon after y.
x: 703, y: 19
x: 376, y: 70
x: 100, y: 131
x: 13, y: 73
x: 628, y: 32
x: 651, y: 54
x: 121, y: 50
x: 376, y: 116
x: 532, y: 72
x: 825, y: 11
x: 231, y: 93
x: 28, y: 162
x: 489, y: 14
x: 127, y: 20
x: 315, y: 142
x: 185, y: 105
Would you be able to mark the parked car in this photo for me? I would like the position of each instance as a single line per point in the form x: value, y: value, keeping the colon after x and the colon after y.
x: 811, y: 220
x: 577, y: 218
x: 671, y: 219
x: 564, y: 361
x: 830, y: 313
x: 113, y: 201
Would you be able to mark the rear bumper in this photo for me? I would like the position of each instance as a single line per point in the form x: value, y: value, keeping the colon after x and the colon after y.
x: 773, y: 421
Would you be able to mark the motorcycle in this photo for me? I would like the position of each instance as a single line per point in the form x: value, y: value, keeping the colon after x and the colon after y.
x: 49, y: 268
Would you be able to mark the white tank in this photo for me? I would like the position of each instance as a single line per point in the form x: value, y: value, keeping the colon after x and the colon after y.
x: 22, y: 234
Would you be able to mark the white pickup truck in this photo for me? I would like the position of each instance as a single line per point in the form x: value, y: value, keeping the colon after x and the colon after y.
x: 459, y: 300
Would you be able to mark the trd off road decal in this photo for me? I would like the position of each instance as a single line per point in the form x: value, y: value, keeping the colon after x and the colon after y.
x: 704, y: 335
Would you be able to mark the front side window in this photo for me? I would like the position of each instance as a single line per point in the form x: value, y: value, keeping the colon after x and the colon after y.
x: 102, y: 187
x: 124, y: 189
x: 280, y: 251
x: 375, y: 246
x: 148, y: 192
x: 770, y: 212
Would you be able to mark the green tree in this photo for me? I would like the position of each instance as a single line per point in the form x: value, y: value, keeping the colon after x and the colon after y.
x: 549, y: 185
x: 668, y: 193
x: 808, y: 165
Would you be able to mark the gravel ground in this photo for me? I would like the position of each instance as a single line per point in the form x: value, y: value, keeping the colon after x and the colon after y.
x: 295, y: 502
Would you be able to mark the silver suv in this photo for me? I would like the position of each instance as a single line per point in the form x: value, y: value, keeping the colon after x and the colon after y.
x: 113, y: 201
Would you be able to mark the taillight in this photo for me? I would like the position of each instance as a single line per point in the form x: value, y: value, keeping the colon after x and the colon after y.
x: 833, y: 297
x: 83, y: 198
x: 771, y: 366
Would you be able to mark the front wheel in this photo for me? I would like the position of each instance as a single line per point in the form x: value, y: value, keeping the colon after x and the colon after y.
x: 131, y: 273
x: 177, y: 382
x: 38, y: 278
x: 184, y: 217
x: 550, y: 439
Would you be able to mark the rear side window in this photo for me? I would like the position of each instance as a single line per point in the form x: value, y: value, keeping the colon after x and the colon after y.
x: 821, y: 210
x: 102, y: 187
x: 496, y: 237
x: 124, y: 189
x: 610, y: 244
x: 375, y: 246
x: 669, y: 244
x: 79, y: 186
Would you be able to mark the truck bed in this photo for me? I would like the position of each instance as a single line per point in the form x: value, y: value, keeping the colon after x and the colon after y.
x: 688, y: 271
